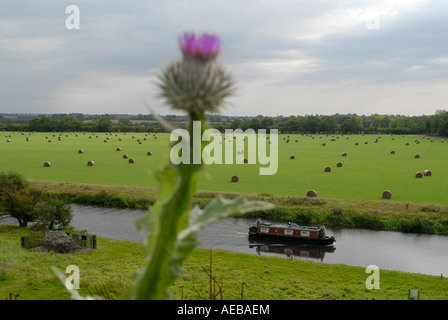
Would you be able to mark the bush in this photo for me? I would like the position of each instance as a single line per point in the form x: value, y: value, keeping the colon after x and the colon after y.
x: 11, y: 182
x: 52, y: 214
x: 20, y: 205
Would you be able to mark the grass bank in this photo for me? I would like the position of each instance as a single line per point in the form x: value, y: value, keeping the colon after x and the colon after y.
x: 371, y: 214
x: 107, y: 271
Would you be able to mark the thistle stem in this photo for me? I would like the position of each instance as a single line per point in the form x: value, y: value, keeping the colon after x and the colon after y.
x: 174, y: 217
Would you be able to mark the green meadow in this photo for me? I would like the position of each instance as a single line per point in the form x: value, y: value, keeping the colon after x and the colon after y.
x: 368, y: 169
x: 107, y: 271
x: 357, y: 186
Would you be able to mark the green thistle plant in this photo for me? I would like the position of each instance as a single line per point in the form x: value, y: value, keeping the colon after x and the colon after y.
x: 196, y: 84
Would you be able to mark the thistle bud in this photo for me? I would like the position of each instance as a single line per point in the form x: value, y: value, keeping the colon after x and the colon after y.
x: 197, y: 83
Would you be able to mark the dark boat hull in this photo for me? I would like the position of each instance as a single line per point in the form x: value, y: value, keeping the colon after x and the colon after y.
x: 312, y: 241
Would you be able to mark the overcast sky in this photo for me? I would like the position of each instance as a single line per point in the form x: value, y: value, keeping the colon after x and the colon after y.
x: 288, y: 57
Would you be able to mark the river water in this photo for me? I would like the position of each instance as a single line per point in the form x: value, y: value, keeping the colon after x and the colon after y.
x: 388, y: 250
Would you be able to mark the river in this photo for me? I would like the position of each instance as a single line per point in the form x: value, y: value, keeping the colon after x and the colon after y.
x: 388, y: 250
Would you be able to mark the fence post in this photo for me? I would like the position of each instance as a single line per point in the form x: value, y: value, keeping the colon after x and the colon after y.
x: 22, y: 242
x: 94, y: 242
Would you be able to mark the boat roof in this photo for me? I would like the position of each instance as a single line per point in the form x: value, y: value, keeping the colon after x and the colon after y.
x: 291, y: 226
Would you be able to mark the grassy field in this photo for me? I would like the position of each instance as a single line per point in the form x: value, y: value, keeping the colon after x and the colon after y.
x: 107, y: 270
x: 367, y: 170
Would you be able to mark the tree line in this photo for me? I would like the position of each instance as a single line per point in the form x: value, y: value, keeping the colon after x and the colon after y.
x: 436, y: 124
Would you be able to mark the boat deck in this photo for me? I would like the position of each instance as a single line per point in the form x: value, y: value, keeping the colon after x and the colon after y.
x: 291, y: 226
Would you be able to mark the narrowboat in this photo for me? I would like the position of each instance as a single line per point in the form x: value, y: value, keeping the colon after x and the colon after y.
x: 291, y: 232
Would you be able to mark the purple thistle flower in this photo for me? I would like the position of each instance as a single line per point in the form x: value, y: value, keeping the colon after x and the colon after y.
x: 209, y: 45
x: 189, y: 44
x: 206, y: 46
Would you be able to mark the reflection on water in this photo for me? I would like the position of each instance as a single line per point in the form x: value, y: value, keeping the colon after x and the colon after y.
x: 291, y: 250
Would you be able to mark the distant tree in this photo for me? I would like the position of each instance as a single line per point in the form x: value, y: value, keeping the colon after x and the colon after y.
x: 125, y: 122
x: 11, y: 182
x: 20, y: 205
x: 352, y: 125
x: 70, y: 123
x: 312, y: 124
x: 267, y: 123
x: 328, y: 124
x: 246, y: 124
x: 236, y: 124
x: 255, y: 123
x: 381, y: 121
x: 15, y: 198
x: 52, y: 214
x: 291, y: 125
x: 438, y: 123
x: 104, y: 125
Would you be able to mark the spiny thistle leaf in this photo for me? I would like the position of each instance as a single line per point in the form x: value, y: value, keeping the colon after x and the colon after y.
x: 220, y: 208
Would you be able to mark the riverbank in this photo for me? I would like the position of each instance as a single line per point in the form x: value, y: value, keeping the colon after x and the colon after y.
x: 107, y: 271
x: 371, y: 214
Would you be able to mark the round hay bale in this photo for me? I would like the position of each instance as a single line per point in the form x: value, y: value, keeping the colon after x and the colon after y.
x: 131, y: 160
x: 8, y: 140
x: 125, y: 156
x: 387, y: 194
x: 234, y: 179
x: 407, y: 143
x: 311, y: 194
x: 417, y: 156
x: 327, y: 169
x: 90, y: 163
x: 427, y: 173
x: 292, y: 157
x: 344, y: 154
x: 392, y: 152
x: 118, y: 149
x: 245, y: 160
x: 339, y: 164
x: 47, y: 164
x: 149, y: 153
x: 419, y: 175
x: 356, y: 143
x: 80, y: 151
x: 27, y: 139
x: 324, y: 144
